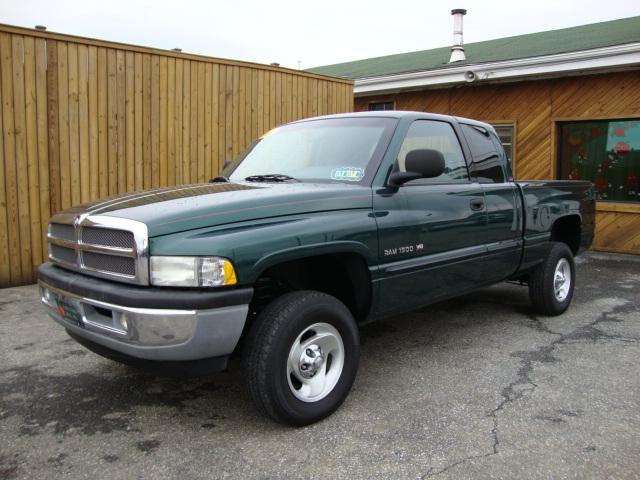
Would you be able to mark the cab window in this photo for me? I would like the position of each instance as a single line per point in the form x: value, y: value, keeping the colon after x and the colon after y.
x: 440, y: 136
x: 487, y: 165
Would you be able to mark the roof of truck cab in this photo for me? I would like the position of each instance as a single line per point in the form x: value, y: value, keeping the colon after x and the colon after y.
x: 399, y: 114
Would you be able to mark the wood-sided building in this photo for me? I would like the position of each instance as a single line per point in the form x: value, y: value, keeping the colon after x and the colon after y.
x: 566, y: 104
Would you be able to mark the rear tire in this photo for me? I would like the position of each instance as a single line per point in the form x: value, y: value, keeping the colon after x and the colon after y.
x: 551, y: 283
x: 301, y: 357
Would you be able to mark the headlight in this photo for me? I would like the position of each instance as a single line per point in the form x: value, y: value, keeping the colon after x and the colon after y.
x: 191, y: 272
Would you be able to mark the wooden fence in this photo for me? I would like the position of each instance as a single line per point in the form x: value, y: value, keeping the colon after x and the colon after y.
x: 83, y: 119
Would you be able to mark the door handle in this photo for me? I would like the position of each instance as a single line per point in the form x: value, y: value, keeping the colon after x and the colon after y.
x: 476, y: 204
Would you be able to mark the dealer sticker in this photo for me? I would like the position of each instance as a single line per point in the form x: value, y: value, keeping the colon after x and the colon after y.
x: 351, y: 174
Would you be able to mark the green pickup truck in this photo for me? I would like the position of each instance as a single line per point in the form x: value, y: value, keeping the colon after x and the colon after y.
x: 320, y: 226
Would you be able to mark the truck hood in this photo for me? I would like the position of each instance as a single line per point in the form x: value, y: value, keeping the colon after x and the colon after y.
x: 188, y: 207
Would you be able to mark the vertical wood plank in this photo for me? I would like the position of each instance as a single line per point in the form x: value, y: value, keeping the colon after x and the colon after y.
x: 155, y: 121
x: 207, y: 122
x: 265, y: 102
x: 327, y: 98
x: 285, y: 98
x: 31, y: 137
x: 139, y: 121
x: 83, y: 121
x: 309, y: 98
x: 320, y: 98
x: 253, y: 108
x: 43, y: 140
x: 215, y: 119
x: 291, y: 94
x: 146, y: 121
x: 163, y: 159
x: 303, y: 106
x: 121, y: 126
x: 171, y: 121
x: 178, y: 121
x: 278, y: 101
x: 229, y: 98
x: 130, y: 160
x: 272, y: 99
x: 201, y: 124
x: 303, y: 97
x: 241, y: 124
x: 222, y: 117
x: 53, y: 137
x: 294, y: 97
x: 314, y: 97
x: 104, y: 133
x: 259, y: 105
x: 235, y: 104
x: 112, y: 121
x: 334, y: 93
x: 193, y: 133
x: 186, y: 122
x: 248, y: 107
x: 93, y: 114
x: 5, y: 266
x: 63, y: 126
x: 74, y: 130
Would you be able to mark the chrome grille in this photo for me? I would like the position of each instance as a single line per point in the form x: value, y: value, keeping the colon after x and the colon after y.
x: 101, y: 246
x: 63, y: 254
x: 109, y: 263
x: 60, y: 230
x: 107, y: 237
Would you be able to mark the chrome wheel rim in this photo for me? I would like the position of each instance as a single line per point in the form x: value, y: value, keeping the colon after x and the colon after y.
x: 315, y: 362
x: 562, y: 280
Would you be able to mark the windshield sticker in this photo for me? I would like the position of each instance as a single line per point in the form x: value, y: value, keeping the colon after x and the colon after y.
x: 351, y: 174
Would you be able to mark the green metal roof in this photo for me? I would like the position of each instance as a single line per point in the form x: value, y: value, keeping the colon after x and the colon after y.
x: 583, y: 37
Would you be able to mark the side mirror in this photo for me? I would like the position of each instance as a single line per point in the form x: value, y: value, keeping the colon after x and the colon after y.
x: 419, y: 163
x: 227, y: 162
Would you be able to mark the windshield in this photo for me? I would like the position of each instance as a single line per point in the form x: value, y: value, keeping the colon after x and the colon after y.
x: 328, y: 150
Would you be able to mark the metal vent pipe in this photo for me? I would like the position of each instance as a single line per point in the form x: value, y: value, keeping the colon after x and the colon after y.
x: 457, y: 50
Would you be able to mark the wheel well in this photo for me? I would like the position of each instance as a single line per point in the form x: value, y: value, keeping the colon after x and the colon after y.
x: 342, y: 275
x: 567, y: 230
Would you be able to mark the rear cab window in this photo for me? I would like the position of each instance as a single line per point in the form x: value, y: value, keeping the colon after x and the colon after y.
x: 487, y: 156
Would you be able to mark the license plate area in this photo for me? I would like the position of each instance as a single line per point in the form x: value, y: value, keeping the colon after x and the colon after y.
x: 66, y: 309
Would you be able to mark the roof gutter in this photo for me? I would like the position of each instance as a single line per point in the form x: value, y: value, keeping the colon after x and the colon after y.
x: 556, y: 65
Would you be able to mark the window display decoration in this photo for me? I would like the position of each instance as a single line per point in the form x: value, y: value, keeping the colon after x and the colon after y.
x: 604, y: 152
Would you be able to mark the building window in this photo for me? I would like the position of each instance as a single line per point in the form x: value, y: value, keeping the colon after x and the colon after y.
x: 605, y: 152
x: 505, y: 134
x: 373, y: 107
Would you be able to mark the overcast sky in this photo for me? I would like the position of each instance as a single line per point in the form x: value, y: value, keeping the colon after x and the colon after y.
x: 304, y: 33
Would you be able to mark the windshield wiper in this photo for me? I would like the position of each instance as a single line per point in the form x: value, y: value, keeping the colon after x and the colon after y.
x: 273, y: 177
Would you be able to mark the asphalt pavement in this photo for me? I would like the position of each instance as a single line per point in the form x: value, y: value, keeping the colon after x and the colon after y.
x: 477, y: 387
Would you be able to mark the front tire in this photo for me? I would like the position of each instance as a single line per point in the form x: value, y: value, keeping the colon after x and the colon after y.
x: 551, y: 283
x: 301, y: 357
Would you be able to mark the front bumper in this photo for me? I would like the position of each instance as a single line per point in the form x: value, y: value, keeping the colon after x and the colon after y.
x: 147, y: 323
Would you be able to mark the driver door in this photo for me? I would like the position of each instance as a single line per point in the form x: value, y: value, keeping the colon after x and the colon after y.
x: 430, y: 230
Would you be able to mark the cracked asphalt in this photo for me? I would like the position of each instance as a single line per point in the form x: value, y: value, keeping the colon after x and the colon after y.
x: 477, y: 387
